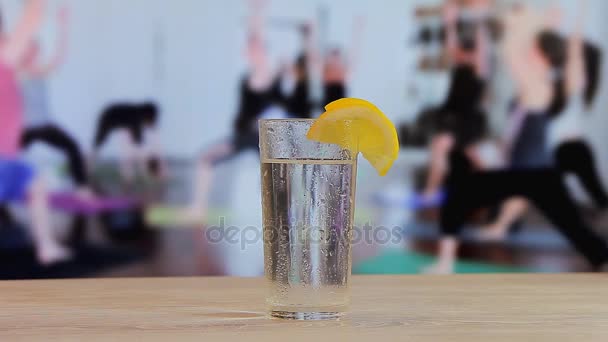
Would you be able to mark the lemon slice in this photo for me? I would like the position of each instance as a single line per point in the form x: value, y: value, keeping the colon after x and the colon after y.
x: 359, y: 126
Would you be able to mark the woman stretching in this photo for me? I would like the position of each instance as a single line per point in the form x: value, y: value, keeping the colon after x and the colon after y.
x: 259, y: 90
x: 461, y: 121
x: 532, y: 177
x: 577, y: 65
x: 469, y: 190
x: 17, y: 179
x: 338, y: 66
x: 39, y: 125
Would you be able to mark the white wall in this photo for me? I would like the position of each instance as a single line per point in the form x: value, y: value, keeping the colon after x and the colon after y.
x: 598, y: 122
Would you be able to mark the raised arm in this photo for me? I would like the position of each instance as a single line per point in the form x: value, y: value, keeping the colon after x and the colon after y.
x: 450, y: 16
x: 42, y: 70
x: 575, y: 64
x: 27, y: 26
x: 355, y: 43
x: 520, y: 32
x: 255, y: 24
x: 310, y: 46
x: 480, y: 55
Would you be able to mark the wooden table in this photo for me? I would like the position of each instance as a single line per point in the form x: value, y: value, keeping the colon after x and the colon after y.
x: 384, y: 308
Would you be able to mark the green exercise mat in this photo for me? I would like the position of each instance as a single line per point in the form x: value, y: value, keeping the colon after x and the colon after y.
x: 363, y: 215
x: 169, y: 217
x: 394, y: 261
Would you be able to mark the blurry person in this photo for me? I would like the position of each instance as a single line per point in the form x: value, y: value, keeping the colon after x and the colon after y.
x: 338, y: 67
x: 533, y: 59
x: 567, y: 70
x: 582, y: 74
x: 469, y: 190
x: 258, y: 93
x: 525, y: 140
x: 132, y: 122
x: 297, y: 102
x: 295, y: 94
x: 461, y: 121
x: 38, y: 119
x: 335, y: 73
x: 17, y: 179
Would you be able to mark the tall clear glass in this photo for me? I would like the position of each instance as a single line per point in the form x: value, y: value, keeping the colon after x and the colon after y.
x: 308, y: 201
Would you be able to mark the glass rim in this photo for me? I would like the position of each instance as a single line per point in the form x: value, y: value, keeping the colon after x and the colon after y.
x: 287, y: 120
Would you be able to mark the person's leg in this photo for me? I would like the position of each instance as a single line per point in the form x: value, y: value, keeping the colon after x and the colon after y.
x: 48, y: 249
x: 447, y: 253
x: 138, y: 154
x: 454, y: 214
x: 510, y: 212
x: 551, y: 196
x: 5, y: 216
x: 546, y: 190
x: 59, y: 139
x: 155, y: 165
x: 194, y: 213
x: 129, y: 155
x: 203, y: 176
x: 24, y: 184
x: 441, y: 145
x: 577, y: 157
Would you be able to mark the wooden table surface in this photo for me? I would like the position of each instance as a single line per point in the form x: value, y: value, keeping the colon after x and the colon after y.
x: 385, y: 308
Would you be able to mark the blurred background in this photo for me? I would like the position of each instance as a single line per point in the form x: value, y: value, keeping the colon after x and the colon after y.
x: 133, y: 139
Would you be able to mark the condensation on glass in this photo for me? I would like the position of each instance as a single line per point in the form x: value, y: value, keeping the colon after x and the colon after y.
x: 308, y: 201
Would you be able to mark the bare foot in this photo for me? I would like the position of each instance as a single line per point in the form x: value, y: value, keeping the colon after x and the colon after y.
x: 52, y: 254
x: 439, y: 268
x: 492, y: 233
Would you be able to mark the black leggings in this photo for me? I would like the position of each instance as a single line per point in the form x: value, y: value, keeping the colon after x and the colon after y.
x: 59, y: 139
x: 6, y: 218
x: 576, y: 157
x: 469, y: 190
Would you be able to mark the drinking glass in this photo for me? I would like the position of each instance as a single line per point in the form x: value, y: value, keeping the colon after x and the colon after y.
x: 308, y: 201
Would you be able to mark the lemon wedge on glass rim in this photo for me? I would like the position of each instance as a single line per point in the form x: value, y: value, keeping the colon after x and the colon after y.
x: 359, y: 126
